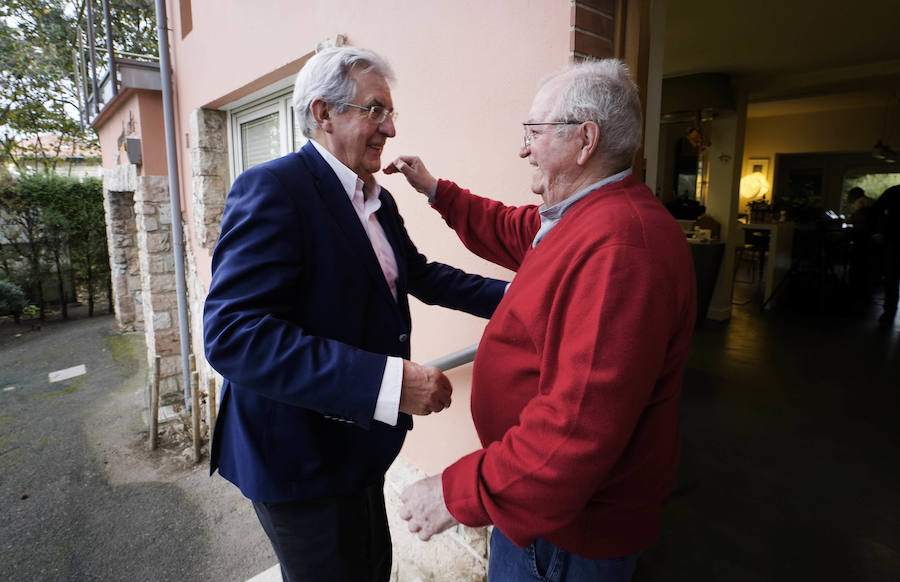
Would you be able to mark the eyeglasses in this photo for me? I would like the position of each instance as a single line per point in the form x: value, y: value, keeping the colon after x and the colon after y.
x: 530, y: 133
x: 376, y: 113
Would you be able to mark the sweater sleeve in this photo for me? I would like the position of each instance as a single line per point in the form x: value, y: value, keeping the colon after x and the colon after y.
x: 601, y: 344
x: 495, y: 232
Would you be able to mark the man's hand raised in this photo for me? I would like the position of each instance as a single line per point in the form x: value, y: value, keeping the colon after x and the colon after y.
x: 424, y: 389
x: 414, y: 171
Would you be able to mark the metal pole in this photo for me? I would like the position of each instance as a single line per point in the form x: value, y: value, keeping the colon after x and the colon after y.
x: 454, y: 360
x: 93, y: 55
x: 83, y: 75
x: 78, y: 95
x: 165, y: 71
x: 110, y: 56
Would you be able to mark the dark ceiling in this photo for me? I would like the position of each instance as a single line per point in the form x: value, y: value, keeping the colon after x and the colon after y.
x: 782, y: 49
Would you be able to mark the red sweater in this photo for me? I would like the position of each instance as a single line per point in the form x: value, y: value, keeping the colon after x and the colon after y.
x: 577, y: 377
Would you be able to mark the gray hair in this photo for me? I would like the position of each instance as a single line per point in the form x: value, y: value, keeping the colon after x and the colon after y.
x: 327, y: 76
x: 603, y: 91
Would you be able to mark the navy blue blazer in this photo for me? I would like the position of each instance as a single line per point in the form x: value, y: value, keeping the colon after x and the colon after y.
x: 299, y: 320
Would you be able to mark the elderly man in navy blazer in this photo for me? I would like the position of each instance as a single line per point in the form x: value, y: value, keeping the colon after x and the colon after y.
x: 308, y: 321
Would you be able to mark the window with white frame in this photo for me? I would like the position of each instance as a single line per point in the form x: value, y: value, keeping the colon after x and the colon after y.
x: 263, y: 130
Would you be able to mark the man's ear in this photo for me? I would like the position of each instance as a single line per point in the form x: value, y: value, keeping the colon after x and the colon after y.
x: 321, y: 113
x: 589, y: 133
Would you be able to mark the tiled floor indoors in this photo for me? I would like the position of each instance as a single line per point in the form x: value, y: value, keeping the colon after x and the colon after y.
x: 790, y: 467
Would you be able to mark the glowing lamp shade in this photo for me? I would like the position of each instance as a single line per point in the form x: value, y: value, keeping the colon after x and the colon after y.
x: 754, y: 186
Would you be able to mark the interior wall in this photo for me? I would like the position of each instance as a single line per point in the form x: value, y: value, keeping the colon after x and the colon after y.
x: 841, y: 130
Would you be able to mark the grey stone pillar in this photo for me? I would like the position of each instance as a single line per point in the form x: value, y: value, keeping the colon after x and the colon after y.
x: 121, y: 236
x: 153, y: 216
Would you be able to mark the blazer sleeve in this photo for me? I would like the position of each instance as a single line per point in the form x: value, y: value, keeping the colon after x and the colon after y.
x: 251, y: 332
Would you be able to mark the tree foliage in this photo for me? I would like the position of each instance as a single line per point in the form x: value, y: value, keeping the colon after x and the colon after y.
x: 54, y: 227
x: 39, y: 84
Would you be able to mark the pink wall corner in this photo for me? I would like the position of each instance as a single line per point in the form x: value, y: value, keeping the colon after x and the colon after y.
x: 152, y: 134
x: 136, y: 115
x: 117, y: 124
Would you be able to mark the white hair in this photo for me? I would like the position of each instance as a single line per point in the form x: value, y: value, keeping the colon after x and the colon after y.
x: 327, y: 76
x: 602, y: 91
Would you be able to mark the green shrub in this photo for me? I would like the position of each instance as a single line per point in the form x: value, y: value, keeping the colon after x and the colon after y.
x: 12, y: 298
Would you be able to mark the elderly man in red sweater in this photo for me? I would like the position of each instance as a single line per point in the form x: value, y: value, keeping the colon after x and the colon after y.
x: 577, y: 378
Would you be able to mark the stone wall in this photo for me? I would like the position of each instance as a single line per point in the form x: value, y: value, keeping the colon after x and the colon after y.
x: 121, y: 235
x: 139, y: 235
x: 153, y: 215
x: 209, y: 173
x: 196, y: 291
x: 209, y: 182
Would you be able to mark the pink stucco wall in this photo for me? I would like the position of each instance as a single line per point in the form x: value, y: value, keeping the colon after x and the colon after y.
x: 466, y: 73
x: 137, y: 114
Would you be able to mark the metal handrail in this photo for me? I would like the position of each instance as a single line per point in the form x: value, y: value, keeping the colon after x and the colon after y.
x: 455, y: 359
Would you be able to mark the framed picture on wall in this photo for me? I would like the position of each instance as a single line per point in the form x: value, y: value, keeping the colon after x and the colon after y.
x: 760, y: 165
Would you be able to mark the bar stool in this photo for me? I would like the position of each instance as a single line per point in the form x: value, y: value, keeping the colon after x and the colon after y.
x: 753, y: 255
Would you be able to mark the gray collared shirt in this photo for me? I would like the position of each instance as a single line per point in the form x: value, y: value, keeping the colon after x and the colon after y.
x: 551, y: 216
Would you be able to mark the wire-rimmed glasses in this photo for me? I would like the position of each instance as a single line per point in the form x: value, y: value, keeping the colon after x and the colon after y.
x: 376, y: 113
x: 529, y: 133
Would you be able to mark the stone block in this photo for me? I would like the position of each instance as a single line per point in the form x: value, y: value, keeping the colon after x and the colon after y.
x: 208, y: 129
x: 151, y: 224
x: 162, y: 283
x: 153, y: 189
x: 158, y: 242
x: 122, y: 241
x: 162, y: 263
x: 134, y: 285
x: 167, y: 342
x: 162, y: 321
x: 170, y: 388
x: 208, y: 163
x: 122, y: 212
x: 213, y: 216
x: 165, y: 214
x: 209, y: 190
x: 165, y: 301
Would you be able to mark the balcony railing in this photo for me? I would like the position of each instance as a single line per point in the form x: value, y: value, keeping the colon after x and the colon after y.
x: 103, y: 71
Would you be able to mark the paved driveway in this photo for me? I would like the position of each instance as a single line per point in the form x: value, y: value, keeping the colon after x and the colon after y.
x: 80, y: 496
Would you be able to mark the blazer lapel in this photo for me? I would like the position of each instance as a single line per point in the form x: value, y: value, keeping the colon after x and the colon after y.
x: 336, y: 201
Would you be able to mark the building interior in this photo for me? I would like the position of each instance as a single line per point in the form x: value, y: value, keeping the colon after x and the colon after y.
x: 789, y: 413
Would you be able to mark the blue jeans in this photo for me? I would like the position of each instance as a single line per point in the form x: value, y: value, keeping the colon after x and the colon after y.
x: 546, y: 562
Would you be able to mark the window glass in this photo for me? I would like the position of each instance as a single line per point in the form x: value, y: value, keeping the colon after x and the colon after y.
x: 260, y: 140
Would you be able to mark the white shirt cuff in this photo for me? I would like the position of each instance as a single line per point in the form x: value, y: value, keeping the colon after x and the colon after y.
x: 432, y: 193
x: 388, y: 403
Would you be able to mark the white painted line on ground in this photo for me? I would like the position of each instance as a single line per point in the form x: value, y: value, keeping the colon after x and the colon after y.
x: 9, y: 388
x: 60, y: 375
x: 273, y: 574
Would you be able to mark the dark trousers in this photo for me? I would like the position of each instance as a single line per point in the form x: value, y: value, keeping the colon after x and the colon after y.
x: 344, y: 539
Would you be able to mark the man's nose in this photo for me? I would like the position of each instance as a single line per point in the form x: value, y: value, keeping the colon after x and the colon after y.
x: 524, y: 151
x: 387, y: 127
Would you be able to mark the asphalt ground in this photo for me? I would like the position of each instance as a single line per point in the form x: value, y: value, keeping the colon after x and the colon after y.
x: 81, y: 496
